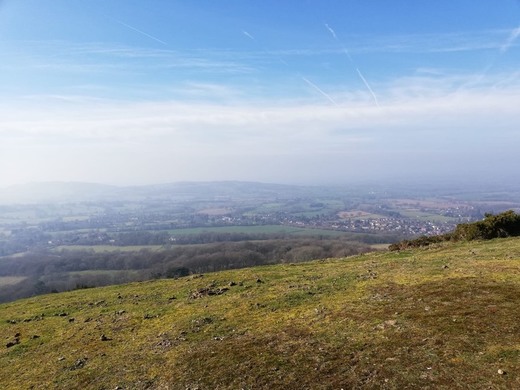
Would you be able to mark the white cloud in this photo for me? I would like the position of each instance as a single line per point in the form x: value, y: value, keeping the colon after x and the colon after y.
x: 424, y: 122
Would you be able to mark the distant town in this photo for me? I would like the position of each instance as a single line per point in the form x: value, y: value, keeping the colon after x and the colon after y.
x: 169, y: 214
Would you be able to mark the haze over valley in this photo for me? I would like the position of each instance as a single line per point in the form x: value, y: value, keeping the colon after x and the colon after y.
x: 239, y: 194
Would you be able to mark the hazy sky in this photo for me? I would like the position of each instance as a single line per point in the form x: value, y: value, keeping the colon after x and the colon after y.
x: 316, y: 91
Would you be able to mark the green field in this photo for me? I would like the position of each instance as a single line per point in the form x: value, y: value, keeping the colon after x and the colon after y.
x: 10, y: 280
x: 109, y: 248
x: 19, y: 254
x: 445, y: 317
x: 426, y: 216
x: 101, y: 272
x: 258, y: 229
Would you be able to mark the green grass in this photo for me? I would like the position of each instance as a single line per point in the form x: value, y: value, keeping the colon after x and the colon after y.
x: 439, y: 318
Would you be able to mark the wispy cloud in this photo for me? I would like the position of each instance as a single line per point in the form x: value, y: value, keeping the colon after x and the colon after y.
x: 83, y: 117
x: 98, y: 57
x: 119, y: 140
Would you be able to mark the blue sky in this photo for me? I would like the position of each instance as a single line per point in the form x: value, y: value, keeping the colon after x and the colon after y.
x: 310, y: 92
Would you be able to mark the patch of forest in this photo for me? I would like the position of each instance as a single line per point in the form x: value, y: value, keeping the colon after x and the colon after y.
x: 46, y: 271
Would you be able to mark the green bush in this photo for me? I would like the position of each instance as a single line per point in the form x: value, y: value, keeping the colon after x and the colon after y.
x: 506, y: 224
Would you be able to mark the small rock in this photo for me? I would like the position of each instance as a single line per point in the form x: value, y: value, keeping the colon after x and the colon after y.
x: 35, y: 336
x: 72, y: 319
x: 259, y: 280
x: 12, y: 343
x: 61, y: 358
x: 445, y: 266
x: 501, y: 372
x: 104, y: 338
x: 16, y: 335
x: 172, y: 298
x: 231, y: 284
x: 80, y: 363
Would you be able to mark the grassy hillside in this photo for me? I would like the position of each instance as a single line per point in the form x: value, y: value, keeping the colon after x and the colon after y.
x: 443, y: 317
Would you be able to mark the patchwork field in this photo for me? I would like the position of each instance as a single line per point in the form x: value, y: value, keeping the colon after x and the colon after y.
x: 10, y: 280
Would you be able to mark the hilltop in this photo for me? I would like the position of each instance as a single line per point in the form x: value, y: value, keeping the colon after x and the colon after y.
x: 441, y: 317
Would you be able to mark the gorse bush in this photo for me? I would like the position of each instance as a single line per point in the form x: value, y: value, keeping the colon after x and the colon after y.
x: 506, y: 224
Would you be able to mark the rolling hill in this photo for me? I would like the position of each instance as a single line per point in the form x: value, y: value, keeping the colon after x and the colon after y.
x: 441, y: 317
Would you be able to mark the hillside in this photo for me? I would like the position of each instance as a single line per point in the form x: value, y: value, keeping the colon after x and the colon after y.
x: 441, y: 317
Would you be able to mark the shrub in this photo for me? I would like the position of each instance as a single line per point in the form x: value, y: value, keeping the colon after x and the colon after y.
x: 506, y: 224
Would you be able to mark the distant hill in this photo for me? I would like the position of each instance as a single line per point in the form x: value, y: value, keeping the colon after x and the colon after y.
x: 60, y: 192
x: 444, y: 317
x: 55, y: 192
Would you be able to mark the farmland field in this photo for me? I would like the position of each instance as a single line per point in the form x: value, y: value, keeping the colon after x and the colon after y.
x: 10, y: 280
x: 109, y: 248
x: 257, y: 229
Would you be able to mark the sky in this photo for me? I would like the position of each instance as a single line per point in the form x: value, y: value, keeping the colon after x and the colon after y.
x: 130, y: 92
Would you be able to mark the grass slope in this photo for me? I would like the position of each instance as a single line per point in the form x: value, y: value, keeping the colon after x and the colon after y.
x: 444, y: 317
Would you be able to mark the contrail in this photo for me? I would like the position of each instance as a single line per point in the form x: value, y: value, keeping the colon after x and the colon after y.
x: 140, y: 32
x: 345, y: 50
x: 310, y: 83
x: 368, y: 86
x: 248, y: 35
x: 320, y: 90
x: 513, y: 36
x: 515, y: 33
x: 348, y: 55
x: 331, y: 31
